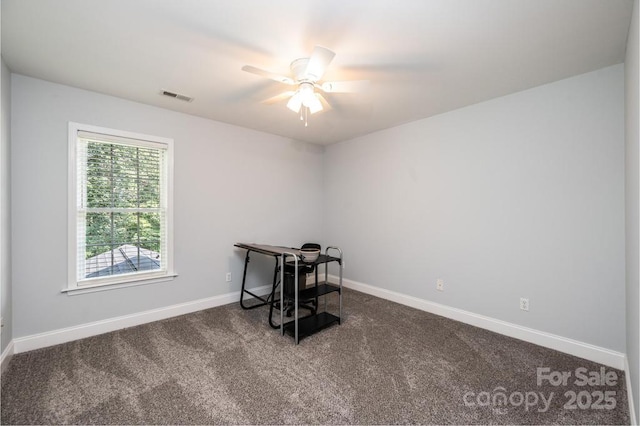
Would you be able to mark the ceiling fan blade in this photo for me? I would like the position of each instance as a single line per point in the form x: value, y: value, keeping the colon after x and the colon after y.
x: 320, y: 59
x: 355, y: 86
x: 267, y: 74
x: 278, y: 98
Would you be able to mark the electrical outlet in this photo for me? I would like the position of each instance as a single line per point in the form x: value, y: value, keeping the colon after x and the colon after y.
x: 228, y: 277
x: 524, y: 304
x: 440, y: 284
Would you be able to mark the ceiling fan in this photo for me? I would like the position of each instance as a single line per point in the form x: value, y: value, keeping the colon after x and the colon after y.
x: 307, y: 78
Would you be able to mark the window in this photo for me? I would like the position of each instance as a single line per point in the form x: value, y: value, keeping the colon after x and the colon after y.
x: 120, y: 191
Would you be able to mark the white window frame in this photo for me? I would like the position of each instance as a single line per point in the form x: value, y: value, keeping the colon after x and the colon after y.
x: 76, y: 286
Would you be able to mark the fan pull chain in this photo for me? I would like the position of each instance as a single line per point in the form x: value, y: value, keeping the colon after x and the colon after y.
x: 304, y: 115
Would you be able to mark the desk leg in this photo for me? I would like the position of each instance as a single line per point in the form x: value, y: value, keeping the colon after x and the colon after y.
x: 272, y: 297
x: 340, y: 292
x: 282, y: 295
x: 296, y: 291
x: 317, y: 301
x: 244, y: 279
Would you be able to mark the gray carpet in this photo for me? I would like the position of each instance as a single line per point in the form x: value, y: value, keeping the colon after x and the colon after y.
x: 386, y: 364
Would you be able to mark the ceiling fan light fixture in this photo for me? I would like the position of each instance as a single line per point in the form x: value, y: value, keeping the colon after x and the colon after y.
x: 315, y: 105
x: 306, y: 97
x: 306, y: 93
x: 309, y: 98
x: 295, y: 103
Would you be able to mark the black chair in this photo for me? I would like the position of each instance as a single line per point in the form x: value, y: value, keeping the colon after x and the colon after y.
x: 289, y: 281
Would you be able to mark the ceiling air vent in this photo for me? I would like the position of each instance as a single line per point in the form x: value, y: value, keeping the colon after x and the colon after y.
x: 176, y: 95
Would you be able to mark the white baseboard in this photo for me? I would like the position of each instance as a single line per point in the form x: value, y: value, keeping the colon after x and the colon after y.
x: 627, y: 376
x: 42, y: 340
x: 6, y: 357
x: 573, y: 347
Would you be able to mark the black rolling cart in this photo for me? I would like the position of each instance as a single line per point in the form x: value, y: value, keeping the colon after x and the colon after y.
x: 301, y: 327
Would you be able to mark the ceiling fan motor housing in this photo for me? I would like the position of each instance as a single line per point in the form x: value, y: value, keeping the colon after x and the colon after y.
x: 299, y: 70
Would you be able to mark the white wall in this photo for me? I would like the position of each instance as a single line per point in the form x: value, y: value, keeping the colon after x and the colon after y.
x: 632, y: 198
x: 521, y: 196
x: 231, y: 184
x: 5, y: 207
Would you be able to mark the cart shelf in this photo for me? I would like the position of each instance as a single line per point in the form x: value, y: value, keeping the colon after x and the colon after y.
x: 310, y: 324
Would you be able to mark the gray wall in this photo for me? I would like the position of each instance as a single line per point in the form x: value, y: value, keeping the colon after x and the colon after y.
x: 520, y: 196
x: 632, y: 198
x: 231, y: 184
x: 5, y: 207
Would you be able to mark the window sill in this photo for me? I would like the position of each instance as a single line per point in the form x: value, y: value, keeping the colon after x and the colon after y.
x: 104, y: 287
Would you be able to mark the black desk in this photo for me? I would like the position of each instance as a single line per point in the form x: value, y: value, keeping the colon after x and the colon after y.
x: 298, y: 327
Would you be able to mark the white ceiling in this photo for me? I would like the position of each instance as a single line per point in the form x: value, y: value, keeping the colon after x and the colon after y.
x: 422, y: 57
